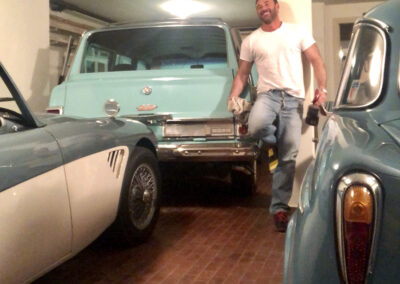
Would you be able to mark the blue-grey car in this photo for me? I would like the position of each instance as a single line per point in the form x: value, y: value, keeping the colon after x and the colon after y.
x: 63, y: 181
x: 347, y: 226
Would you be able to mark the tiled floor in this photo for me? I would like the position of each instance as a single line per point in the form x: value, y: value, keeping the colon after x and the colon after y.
x: 205, y: 234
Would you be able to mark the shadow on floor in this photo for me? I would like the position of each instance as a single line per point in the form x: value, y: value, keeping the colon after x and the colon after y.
x: 183, y: 188
x: 201, y: 223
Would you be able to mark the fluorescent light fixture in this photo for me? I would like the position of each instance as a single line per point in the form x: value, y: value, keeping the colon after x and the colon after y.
x: 184, y: 8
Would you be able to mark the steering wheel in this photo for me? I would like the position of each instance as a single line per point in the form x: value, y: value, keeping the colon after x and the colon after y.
x: 10, y: 115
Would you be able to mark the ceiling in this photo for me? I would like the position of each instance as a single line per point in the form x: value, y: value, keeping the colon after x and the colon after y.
x: 237, y: 13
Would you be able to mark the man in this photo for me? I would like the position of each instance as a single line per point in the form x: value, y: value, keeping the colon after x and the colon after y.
x: 276, y: 116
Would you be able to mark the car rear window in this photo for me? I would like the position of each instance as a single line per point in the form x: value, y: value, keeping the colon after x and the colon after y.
x: 362, y: 78
x: 189, y: 47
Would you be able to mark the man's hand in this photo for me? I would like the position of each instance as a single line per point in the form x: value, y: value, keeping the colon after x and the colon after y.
x: 230, y: 98
x: 320, y: 97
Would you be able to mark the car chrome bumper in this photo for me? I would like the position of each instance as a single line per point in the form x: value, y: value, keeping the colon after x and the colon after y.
x: 208, y: 152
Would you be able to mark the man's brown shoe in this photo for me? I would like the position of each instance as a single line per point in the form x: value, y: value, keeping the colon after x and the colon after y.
x: 281, y: 220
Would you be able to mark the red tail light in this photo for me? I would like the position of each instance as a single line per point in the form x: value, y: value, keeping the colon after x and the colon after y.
x: 359, y: 203
x: 358, y: 229
x: 242, y: 129
x: 55, y: 110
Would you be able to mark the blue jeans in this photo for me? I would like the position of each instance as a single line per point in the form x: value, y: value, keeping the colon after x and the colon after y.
x: 276, y: 118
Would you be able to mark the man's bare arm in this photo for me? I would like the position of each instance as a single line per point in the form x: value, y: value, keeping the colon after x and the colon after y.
x: 313, y: 56
x: 241, y: 78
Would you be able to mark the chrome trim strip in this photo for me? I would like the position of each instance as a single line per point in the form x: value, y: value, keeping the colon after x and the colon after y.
x: 194, y: 119
x: 208, y: 152
x: 372, y: 183
x: 398, y: 79
x: 379, y: 23
x: 199, y: 128
x: 302, y: 188
x: 168, y: 118
x: 171, y: 23
x: 347, y: 70
x: 60, y: 109
x: 235, y: 35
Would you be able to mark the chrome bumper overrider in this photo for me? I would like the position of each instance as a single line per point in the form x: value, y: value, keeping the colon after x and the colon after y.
x: 208, y: 152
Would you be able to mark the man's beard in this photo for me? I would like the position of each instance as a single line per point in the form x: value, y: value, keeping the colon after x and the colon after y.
x: 272, y: 17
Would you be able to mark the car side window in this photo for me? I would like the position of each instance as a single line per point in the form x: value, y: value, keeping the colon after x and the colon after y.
x: 96, y: 59
x: 363, y: 73
x: 187, y: 47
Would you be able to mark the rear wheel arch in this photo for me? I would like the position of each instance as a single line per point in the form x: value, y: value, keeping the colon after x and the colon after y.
x: 146, y: 143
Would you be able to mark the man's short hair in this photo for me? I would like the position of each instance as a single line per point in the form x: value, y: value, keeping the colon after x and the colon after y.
x: 275, y: 1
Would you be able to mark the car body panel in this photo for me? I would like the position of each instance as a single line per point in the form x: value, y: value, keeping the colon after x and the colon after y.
x: 94, y: 192
x: 36, y: 226
x: 181, y: 93
x: 27, y: 160
x: 346, y: 145
x: 94, y: 135
x: 60, y: 182
x: 361, y: 140
x: 393, y: 129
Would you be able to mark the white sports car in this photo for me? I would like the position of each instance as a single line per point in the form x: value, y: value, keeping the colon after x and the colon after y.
x: 63, y: 181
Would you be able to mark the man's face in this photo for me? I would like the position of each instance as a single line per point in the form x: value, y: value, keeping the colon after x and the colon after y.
x: 267, y: 10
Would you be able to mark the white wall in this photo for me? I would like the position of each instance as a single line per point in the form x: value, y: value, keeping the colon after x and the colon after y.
x: 24, y: 47
x: 62, y: 25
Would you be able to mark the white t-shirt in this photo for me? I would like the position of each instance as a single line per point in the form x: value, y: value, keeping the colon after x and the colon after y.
x: 277, y: 56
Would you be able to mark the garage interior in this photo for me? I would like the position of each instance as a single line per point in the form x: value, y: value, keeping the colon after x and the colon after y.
x: 206, y: 233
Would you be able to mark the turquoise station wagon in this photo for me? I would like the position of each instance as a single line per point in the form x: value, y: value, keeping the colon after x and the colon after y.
x: 173, y: 76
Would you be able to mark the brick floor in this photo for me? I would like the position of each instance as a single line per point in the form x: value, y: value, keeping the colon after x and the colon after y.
x: 205, y: 234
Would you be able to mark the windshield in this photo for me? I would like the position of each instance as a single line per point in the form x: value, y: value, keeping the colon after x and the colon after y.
x: 362, y: 77
x: 188, y: 47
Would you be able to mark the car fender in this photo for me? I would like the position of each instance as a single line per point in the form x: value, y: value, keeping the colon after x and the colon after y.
x: 94, y: 192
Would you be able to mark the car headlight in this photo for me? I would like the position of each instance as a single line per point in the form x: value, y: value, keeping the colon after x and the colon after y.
x: 358, y: 206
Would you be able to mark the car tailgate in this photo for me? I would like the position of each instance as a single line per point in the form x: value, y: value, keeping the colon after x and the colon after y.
x: 188, y: 93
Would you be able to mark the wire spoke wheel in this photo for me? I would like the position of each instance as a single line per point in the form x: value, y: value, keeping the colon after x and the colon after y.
x: 142, y: 196
x: 140, y: 199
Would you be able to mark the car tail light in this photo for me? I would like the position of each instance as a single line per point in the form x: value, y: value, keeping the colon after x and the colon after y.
x: 242, y: 129
x: 55, y: 110
x: 358, y: 228
x: 357, y: 205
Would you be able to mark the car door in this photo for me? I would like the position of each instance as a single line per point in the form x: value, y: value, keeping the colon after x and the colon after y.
x: 35, y: 216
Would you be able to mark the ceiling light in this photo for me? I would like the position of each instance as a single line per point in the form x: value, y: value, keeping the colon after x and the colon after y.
x: 184, y: 8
